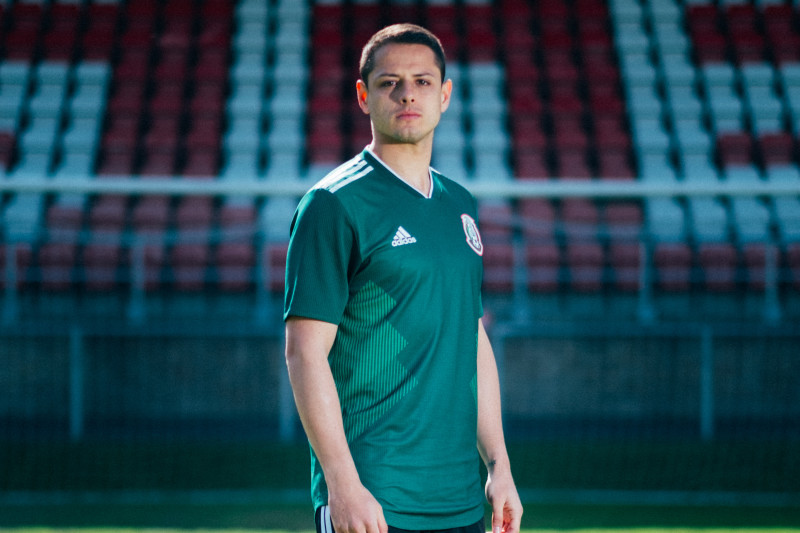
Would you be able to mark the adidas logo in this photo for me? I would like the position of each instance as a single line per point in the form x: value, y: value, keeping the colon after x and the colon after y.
x: 402, y: 237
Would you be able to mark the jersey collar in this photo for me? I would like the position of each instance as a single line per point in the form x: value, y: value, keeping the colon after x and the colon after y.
x: 380, y: 162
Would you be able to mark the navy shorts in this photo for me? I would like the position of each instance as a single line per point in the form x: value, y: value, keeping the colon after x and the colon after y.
x: 323, y: 522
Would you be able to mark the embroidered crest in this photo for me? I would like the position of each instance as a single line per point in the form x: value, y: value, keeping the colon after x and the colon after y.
x: 472, y: 233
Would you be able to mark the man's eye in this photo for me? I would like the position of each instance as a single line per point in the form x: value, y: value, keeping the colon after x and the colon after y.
x: 423, y: 82
x: 388, y: 83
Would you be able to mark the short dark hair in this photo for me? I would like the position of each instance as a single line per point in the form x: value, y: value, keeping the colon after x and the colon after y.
x: 399, y: 34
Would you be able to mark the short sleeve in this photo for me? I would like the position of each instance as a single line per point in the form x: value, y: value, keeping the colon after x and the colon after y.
x: 318, y: 261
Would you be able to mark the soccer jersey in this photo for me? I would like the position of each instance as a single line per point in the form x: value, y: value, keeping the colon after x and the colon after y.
x: 400, y: 274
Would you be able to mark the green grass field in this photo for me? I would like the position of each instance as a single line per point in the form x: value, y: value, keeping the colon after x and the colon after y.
x: 641, y: 468
x: 88, y: 518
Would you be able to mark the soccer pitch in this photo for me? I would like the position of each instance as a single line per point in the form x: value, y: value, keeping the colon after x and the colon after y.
x: 253, y: 518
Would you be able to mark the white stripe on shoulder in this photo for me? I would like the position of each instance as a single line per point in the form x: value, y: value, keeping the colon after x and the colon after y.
x: 351, y: 179
x: 346, y: 173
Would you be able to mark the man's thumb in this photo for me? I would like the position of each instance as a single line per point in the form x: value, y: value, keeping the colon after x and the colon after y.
x: 497, y: 518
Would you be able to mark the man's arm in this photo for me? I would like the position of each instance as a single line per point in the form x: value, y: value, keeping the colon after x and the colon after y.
x: 308, y: 342
x: 500, y: 489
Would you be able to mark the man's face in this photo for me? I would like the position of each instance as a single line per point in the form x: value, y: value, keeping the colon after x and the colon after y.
x: 405, y: 96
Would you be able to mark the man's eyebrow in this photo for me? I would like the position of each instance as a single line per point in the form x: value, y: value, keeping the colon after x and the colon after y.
x: 393, y: 75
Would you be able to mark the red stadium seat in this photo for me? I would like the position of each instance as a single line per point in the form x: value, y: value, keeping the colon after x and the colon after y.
x: 710, y: 47
x: 530, y: 164
x: 718, y: 262
x: 275, y: 266
x: 108, y: 213
x: 194, y: 212
x: 151, y: 213
x: 542, y: 261
x: 792, y: 252
x: 56, y: 265
x: 537, y: 219
x: 189, y: 263
x: 777, y: 148
x: 8, y: 146
x: 234, y: 265
x: 735, y: 149
x: 761, y: 262
x: 585, y: 263
x: 672, y: 264
x: 625, y: 259
x: 101, y: 261
x: 201, y: 162
x: 498, y: 267
x: 158, y: 163
x: 623, y: 220
x: 65, y: 219
x: 21, y: 263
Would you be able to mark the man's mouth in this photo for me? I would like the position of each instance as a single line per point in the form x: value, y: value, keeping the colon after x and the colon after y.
x: 405, y: 115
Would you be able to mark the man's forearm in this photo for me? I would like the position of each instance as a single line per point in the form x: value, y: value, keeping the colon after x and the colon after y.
x: 491, y: 441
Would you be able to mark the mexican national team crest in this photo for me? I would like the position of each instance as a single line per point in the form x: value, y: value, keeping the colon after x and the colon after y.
x: 472, y: 233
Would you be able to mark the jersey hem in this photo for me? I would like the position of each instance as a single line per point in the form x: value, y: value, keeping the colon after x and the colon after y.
x: 427, y: 523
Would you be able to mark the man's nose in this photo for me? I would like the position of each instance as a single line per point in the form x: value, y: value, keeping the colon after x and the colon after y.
x: 406, y: 93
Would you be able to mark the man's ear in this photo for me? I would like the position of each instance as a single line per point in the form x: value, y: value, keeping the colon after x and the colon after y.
x: 361, y: 94
x: 447, y: 89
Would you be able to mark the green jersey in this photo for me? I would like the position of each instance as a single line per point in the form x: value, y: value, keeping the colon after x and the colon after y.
x: 400, y: 274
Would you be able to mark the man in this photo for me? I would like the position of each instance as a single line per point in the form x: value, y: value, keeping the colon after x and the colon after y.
x: 393, y: 375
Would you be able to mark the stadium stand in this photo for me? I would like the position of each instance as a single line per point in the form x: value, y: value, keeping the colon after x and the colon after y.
x: 646, y: 338
x: 552, y: 91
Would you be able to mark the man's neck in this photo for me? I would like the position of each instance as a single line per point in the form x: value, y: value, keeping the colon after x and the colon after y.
x: 410, y: 162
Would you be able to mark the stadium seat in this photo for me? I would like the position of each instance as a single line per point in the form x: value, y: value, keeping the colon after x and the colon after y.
x: 580, y: 218
x: 100, y: 262
x: 275, y: 266
x: 151, y: 213
x: 108, y: 213
x: 777, y: 148
x: 625, y: 262
x: 234, y: 263
x: 21, y: 263
x: 537, y: 219
x: 189, y: 262
x: 498, y: 267
x: 735, y: 149
x: 543, y: 263
x: 56, y: 265
x: 672, y: 263
x: 719, y: 263
x: 65, y: 219
x: 792, y: 252
x: 761, y: 263
x: 194, y: 213
x: 585, y: 262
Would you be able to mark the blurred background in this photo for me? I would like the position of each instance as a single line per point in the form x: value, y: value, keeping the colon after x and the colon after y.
x: 636, y: 164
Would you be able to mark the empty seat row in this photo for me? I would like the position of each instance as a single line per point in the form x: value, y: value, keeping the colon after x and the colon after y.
x: 589, y: 266
x: 103, y: 266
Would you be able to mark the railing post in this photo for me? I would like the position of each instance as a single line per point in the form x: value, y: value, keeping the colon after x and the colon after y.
x: 136, y: 308
x: 10, y: 274
x: 707, y: 414
x: 645, y: 311
x: 772, y: 308
x: 76, y: 385
x: 287, y: 411
x: 263, y: 281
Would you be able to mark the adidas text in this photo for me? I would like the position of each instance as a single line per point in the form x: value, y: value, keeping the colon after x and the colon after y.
x: 403, y: 237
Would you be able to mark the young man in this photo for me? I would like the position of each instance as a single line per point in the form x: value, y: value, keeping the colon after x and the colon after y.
x: 393, y: 375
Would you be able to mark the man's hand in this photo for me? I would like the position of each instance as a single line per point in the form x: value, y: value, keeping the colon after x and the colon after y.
x: 355, y: 510
x: 501, y: 493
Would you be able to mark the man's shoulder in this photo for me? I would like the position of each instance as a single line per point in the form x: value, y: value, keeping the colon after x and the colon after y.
x: 344, y: 175
x: 452, y: 187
